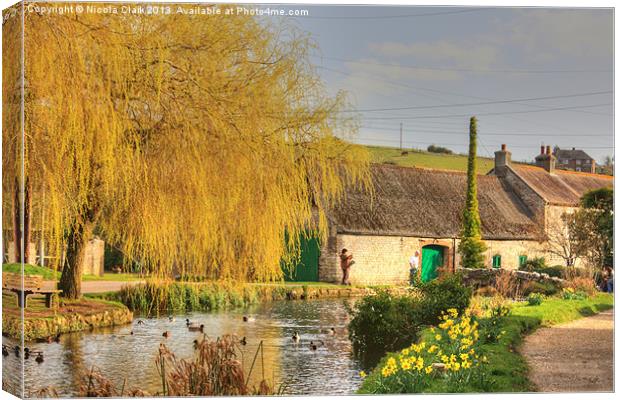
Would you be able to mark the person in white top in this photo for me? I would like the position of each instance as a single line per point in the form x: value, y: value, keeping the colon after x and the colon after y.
x: 414, y: 264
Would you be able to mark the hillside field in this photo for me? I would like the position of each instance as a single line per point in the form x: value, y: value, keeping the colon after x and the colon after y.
x: 418, y: 158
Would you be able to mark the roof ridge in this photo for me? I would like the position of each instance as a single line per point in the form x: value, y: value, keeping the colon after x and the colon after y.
x: 583, y: 173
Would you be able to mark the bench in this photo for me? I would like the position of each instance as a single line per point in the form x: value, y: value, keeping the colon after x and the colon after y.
x: 32, y: 285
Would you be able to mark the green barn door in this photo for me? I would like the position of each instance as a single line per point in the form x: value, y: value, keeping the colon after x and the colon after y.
x: 432, y: 257
x: 307, y: 270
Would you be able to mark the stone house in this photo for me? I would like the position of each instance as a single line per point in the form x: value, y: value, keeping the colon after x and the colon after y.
x: 574, y: 160
x: 421, y: 209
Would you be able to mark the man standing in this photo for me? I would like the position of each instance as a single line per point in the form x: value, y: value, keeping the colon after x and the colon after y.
x: 414, y: 264
x: 346, y: 260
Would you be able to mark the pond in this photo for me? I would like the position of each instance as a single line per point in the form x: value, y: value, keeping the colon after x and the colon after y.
x: 330, y: 369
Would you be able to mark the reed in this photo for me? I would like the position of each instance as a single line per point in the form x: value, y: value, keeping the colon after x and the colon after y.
x: 215, y: 370
x: 157, y: 297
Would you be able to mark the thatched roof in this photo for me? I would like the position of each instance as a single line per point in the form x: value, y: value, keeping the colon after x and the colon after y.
x: 561, y: 187
x: 429, y: 203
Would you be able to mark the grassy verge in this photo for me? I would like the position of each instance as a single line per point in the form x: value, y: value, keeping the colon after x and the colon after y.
x: 507, y: 368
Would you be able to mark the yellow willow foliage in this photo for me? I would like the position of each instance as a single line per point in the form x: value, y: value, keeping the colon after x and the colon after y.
x: 11, y: 115
x: 196, y: 144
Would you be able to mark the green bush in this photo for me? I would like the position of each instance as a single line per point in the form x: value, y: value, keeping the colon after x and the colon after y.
x: 441, y: 294
x: 534, y: 264
x: 384, y: 322
x: 387, y: 322
x: 438, y: 149
x: 535, y: 299
x: 555, y: 270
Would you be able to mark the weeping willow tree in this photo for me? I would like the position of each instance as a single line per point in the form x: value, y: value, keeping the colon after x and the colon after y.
x: 195, y: 144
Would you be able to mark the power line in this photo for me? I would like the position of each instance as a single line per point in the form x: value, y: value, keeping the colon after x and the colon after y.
x: 400, y: 85
x: 491, y: 113
x: 503, y: 71
x: 430, y: 14
x: 465, y: 144
x: 464, y: 132
x: 481, y: 103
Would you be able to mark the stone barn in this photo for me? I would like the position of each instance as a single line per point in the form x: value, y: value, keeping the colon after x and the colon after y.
x: 421, y: 209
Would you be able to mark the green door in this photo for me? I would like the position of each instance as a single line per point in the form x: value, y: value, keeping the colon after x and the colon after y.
x: 307, y: 270
x: 432, y: 257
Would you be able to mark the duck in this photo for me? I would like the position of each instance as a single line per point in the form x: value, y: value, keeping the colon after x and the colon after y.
x: 57, y: 338
x: 16, y: 351
x: 313, y: 346
x: 248, y: 319
x: 243, y: 341
x: 296, y: 338
x: 5, y: 351
x: 131, y: 333
x: 195, y: 344
x: 195, y: 328
x: 330, y: 331
x: 187, y: 322
x: 166, y: 334
x: 26, y: 353
x: 140, y: 322
x: 171, y: 318
x: 39, y: 358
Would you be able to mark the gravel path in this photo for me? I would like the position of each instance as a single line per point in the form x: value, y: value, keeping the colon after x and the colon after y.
x: 573, y: 357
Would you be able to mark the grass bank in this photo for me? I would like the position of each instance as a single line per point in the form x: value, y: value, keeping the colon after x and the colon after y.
x: 158, y: 297
x: 70, y: 316
x: 507, y: 368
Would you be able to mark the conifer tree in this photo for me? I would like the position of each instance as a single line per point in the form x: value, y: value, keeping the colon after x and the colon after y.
x: 472, y: 247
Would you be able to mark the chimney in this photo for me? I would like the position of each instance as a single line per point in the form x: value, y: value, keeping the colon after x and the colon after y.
x: 502, y: 160
x: 545, y: 159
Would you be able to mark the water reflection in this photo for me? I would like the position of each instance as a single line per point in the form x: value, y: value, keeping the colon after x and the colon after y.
x: 330, y: 369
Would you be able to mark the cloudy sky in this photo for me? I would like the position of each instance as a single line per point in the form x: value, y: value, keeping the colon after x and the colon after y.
x: 531, y: 75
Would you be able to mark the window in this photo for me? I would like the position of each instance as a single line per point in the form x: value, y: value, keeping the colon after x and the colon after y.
x: 578, y: 162
x: 497, y: 261
x: 522, y: 261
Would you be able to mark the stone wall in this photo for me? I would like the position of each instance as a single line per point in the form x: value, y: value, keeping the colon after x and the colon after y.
x: 486, y: 276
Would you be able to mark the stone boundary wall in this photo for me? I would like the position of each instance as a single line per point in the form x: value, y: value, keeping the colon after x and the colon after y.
x: 486, y: 276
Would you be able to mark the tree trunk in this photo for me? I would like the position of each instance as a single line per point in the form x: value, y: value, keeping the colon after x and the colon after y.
x: 71, y: 278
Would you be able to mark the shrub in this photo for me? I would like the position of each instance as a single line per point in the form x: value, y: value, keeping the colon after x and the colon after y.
x: 544, y: 288
x: 535, y: 299
x: 385, y: 322
x: 441, y: 294
x: 555, y: 271
x: 451, y: 355
x: 581, y: 284
x: 486, y: 291
x: 438, y: 149
x: 534, y: 264
x: 506, y: 284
